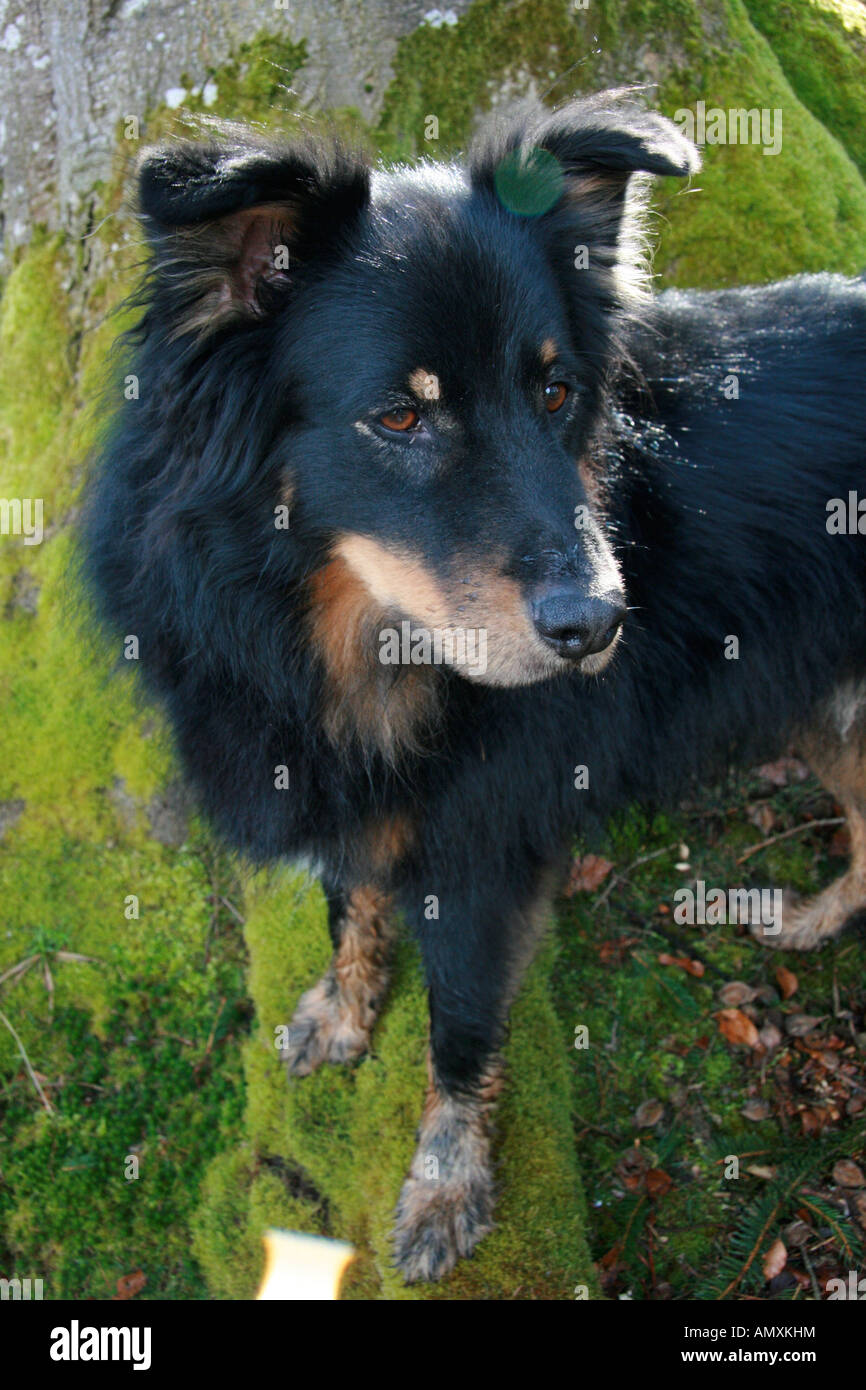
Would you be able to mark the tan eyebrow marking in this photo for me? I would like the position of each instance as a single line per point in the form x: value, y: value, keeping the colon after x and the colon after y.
x: 548, y: 351
x: 425, y: 384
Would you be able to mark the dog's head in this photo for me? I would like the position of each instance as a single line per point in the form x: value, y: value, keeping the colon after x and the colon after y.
x: 435, y: 343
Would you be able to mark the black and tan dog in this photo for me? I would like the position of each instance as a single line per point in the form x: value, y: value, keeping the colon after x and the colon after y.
x: 443, y: 540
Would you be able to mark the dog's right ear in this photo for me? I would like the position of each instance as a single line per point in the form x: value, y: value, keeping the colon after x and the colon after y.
x: 230, y: 222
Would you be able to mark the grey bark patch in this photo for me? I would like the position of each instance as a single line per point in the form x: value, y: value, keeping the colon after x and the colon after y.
x: 124, y: 804
x: 10, y: 813
x: 71, y: 72
x: 25, y: 594
x: 168, y: 813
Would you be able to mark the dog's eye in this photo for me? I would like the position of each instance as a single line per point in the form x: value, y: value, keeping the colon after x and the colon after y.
x: 400, y: 420
x: 554, y: 395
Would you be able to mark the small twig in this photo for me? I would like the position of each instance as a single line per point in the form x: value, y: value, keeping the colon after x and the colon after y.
x: 87, y: 1085
x: 635, y: 864
x: 834, y: 1225
x: 33, y: 1077
x: 608, y: 1133
x: 754, y: 1251
x: 17, y: 972
x: 649, y: 1251
x: 808, y: 1263
x: 233, y: 910
x: 750, y: 1153
x: 175, y: 1037
x: 213, y: 1030
x: 20, y: 969
x: 786, y: 834
x: 837, y: 1002
x: 634, y: 1213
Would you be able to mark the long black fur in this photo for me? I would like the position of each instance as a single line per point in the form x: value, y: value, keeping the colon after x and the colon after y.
x: 716, y: 508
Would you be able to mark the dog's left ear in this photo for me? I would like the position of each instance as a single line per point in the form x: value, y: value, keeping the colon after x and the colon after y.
x: 572, y: 170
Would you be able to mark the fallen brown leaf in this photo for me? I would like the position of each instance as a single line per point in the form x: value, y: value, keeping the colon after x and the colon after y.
x: 798, y: 1025
x: 755, y: 1110
x: 631, y: 1167
x: 814, y: 1119
x: 770, y: 1036
x: 787, y: 982
x: 648, y: 1113
x: 658, y: 1182
x: 848, y: 1174
x: 798, y: 1233
x: 737, y: 1027
x: 783, y: 771
x: 736, y: 992
x: 691, y: 967
x: 764, y: 817
x: 587, y: 873
x: 613, y: 952
x: 775, y: 1259
x: 765, y: 994
x: 128, y: 1285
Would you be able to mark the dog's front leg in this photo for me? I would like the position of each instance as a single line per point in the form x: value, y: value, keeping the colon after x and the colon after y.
x: 474, y: 960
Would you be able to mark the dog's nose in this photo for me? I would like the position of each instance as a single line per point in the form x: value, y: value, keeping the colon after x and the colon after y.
x: 577, y: 625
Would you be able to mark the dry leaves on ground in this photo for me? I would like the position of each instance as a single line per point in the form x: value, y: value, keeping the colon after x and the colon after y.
x: 588, y: 872
x: 738, y: 1028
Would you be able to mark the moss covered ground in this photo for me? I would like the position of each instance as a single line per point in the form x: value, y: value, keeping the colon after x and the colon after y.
x: 664, y: 1097
x: 147, y: 1126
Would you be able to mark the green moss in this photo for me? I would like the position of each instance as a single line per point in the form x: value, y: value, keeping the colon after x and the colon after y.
x: 809, y: 200
x: 821, y: 48
x: 124, y: 1018
x: 239, y: 1202
x: 36, y: 382
x: 254, y: 86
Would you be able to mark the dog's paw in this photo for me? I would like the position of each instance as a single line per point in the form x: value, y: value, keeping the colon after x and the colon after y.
x: 440, y: 1221
x: 324, y: 1029
x: 446, y: 1204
